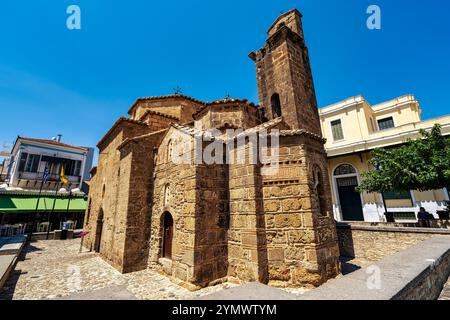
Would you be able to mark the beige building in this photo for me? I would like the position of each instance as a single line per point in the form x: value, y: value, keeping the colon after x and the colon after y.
x: 353, y: 128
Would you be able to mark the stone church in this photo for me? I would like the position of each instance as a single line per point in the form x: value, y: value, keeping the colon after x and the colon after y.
x: 205, y: 223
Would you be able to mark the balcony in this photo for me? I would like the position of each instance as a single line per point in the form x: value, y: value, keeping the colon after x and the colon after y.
x: 31, y: 180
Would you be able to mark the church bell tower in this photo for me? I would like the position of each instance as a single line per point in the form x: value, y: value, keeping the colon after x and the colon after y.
x: 285, y: 82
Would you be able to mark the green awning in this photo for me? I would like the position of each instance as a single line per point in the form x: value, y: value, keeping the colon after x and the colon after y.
x: 28, y: 204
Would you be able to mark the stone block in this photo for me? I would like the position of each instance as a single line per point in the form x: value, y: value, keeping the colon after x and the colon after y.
x: 272, y: 206
x: 288, y: 220
x: 275, y: 254
x: 291, y: 205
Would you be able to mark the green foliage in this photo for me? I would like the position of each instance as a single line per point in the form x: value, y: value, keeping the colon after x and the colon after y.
x: 422, y: 164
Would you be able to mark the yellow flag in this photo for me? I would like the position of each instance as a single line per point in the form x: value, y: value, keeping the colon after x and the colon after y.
x: 62, y: 177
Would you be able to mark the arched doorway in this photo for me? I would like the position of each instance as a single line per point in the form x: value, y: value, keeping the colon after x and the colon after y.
x: 98, y: 232
x: 346, y: 181
x: 167, y: 235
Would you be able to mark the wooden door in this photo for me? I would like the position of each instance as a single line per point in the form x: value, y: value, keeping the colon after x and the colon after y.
x: 350, y: 200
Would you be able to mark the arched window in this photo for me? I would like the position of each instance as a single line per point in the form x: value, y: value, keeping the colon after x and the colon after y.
x: 276, y: 105
x: 320, y: 191
x: 166, y: 195
x: 169, y: 151
x: 167, y: 221
x: 344, y: 169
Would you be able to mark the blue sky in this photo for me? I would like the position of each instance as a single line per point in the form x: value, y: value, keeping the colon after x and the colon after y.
x: 77, y: 83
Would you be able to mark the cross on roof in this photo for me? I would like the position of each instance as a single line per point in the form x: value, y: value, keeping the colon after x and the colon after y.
x: 177, y: 90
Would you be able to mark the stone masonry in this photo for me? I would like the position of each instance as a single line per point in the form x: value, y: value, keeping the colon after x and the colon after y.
x: 206, y: 222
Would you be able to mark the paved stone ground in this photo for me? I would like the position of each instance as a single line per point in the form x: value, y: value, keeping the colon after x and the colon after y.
x: 445, y: 295
x: 53, y: 269
x: 370, y: 257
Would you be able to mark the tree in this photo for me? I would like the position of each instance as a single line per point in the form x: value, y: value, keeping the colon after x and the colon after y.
x: 422, y: 164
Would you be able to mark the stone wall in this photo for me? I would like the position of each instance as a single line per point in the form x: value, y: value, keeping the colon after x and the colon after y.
x: 106, y: 213
x: 211, y: 223
x: 278, y: 234
x: 178, y: 107
x: 416, y: 273
x: 301, y: 240
x: 136, y: 199
x: 174, y: 194
x: 367, y: 243
x: 247, y: 252
x: 158, y: 121
x: 233, y: 116
x: 429, y: 283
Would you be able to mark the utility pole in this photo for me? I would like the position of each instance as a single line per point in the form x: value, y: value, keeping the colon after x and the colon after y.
x: 44, y: 180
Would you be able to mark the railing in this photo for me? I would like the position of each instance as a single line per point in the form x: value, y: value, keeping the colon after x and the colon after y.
x: 402, y: 216
x: 51, y: 177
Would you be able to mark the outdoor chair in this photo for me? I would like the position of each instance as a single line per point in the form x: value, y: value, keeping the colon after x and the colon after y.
x: 72, y: 224
x: 43, y: 227
x: 6, y: 231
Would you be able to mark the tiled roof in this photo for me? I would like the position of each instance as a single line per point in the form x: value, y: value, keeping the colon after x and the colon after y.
x: 53, y: 142
x: 232, y: 101
x: 298, y: 132
x: 264, y: 126
x: 118, y: 122
x: 170, y: 96
x: 159, y: 114
x: 128, y: 140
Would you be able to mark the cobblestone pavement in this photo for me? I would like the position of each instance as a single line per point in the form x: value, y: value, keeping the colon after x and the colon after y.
x: 445, y: 295
x: 54, y: 269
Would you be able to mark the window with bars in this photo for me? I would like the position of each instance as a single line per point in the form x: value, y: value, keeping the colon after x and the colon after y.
x: 336, y: 129
x: 386, y: 123
x: 344, y: 169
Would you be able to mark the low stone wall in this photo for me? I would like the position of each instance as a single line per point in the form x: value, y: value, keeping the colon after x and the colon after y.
x: 429, y: 284
x: 54, y: 235
x: 417, y: 273
x: 370, y: 242
x: 10, y: 249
